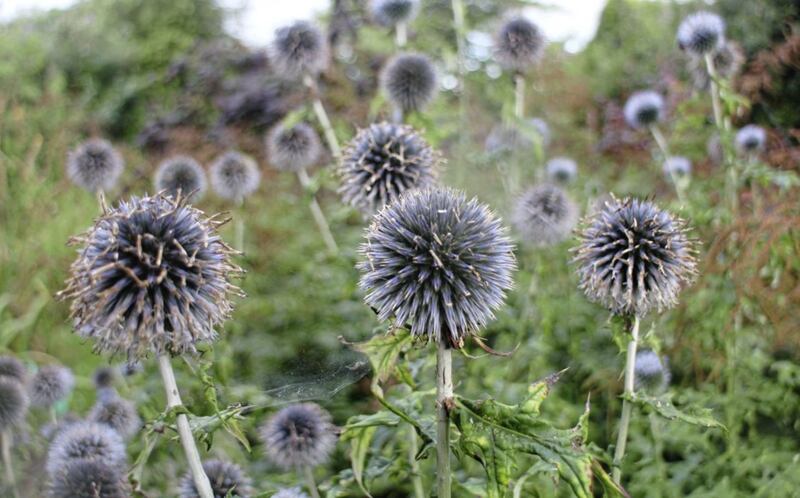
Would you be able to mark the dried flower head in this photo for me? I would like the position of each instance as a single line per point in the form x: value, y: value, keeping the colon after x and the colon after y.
x: 51, y: 384
x: 562, y: 169
x: 181, y: 176
x: 643, y: 109
x: 751, y: 139
x: 701, y: 33
x: 117, y: 413
x: 89, y: 478
x: 290, y: 493
x: 95, y: 165
x: 410, y: 81
x: 677, y: 166
x: 228, y: 480
x: 299, y: 49
x: 86, y: 441
x: 728, y: 60
x: 234, y: 176
x: 651, y: 372
x: 519, y: 44
x: 383, y: 161
x: 545, y: 215
x: 436, y: 263
x: 13, y: 402
x: 153, y: 275
x: 391, y: 12
x: 12, y: 367
x: 300, y: 435
x: 294, y: 148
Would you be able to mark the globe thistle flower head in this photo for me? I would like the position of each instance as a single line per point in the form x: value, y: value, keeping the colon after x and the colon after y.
x: 152, y: 276
x: 634, y: 258
x: 519, y: 44
x: 104, y: 377
x: 228, y: 480
x: 545, y: 215
x: 392, y: 12
x: 751, y: 139
x: 13, y: 368
x: 562, y: 169
x: 290, y: 493
x: 181, y: 177
x: 234, y: 176
x: 51, y: 384
x: 643, y: 109
x: 677, y: 167
x: 13, y: 402
x: 86, y: 441
x: 701, y: 33
x: 299, y: 435
x: 299, y: 49
x: 382, y: 162
x: 651, y: 372
x: 94, y: 165
x: 117, y: 413
x: 410, y: 81
x: 293, y: 148
x: 437, y: 264
x: 89, y: 478
x: 728, y: 60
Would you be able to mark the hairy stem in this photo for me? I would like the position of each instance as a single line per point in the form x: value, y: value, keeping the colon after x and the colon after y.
x: 444, y: 399
x: 201, y: 482
x: 519, y: 96
x: 319, y: 217
x: 627, y: 406
x: 310, y: 482
x: 322, y: 117
x: 416, y: 478
x: 7, y: 440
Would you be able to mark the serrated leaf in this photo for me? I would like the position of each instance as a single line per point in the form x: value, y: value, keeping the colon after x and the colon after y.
x: 383, y: 351
x: 663, y: 406
x: 360, y: 440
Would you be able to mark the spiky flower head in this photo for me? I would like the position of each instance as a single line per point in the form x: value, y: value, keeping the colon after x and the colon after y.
x: 545, y: 215
x: 300, y: 435
x: 51, y: 384
x: 651, y: 372
x: 89, y: 478
x: 290, y: 493
x: 701, y: 33
x: 12, y: 367
x: 410, y: 81
x: 181, y: 176
x: 677, y: 166
x: 436, y: 263
x: 728, y: 60
x: 104, y: 377
x: 86, y: 441
x: 293, y: 148
x: 391, y: 12
x: 382, y: 162
x: 234, y: 176
x: 519, y: 44
x: 94, y: 165
x: 117, y: 413
x: 751, y: 139
x: 634, y: 258
x: 152, y: 275
x: 13, y: 402
x: 228, y: 480
x: 643, y: 109
x: 562, y: 169
x: 299, y: 49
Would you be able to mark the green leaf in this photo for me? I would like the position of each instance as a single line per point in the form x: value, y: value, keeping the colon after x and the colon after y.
x: 664, y: 407
x: 360, y: 439
x: 383, y: 351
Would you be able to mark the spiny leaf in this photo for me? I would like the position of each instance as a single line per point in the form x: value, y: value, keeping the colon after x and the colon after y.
x: 383, y: 351
x: 664, y: 407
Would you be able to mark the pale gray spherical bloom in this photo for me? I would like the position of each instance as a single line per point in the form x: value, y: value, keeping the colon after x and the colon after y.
x: 299, y: 435
x: 391, y: 12
x: 562, y: 169
x: 751, y: 139
x: 382, y: 162
x: 651, y: 373
x: 544, y: 215
x: 634, y: 258
x: 181, y: 175
x: 677, y: 166
x: 89, y: 478
x: 728, y: 60
x: 436, y: 263
x: 86, y: 441
x: 51, y: 384
x: 293, y: 148
x: 643, y: 109
x: 228, y: 480
x: 410, y: 81
x: 117, y: 413
x: 701, y: 33
x: 12, y: 367
x: 519, y: 44
x: 13, y: 402
x: 290, y: 493
x: 152, y: 276
x: 299, y: 49
x: 95, y: 165
x: 234, y: 176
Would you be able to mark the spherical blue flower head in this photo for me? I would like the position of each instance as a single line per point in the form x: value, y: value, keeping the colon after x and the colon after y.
x: 300, y: 435
x: 234, y: 176
x: 117, y: 413
x: 519, y: 44
x: 12, y: 367
x: 651, y: 373
x: 677, y: 166
x: 436, y: 263
x: 152, y: 276
x: 94, y: 165
x: 86, y: 441
x: 634, y: 258
x: 181, y: 176
x: 751, y: 139
x: 13, y: 402
x: 643, y: 109
x: 544, y: 215
x: 51, y: 384
x: 89, y: 478
x: 293, y: 148
x: 290, y: 493
x: 701, y: 33
x: 299, y: 49
x: 228, y: 480
x: 382, y: 162
x: 391, y: 12
x: 562, y: 169
x: 410, y: 81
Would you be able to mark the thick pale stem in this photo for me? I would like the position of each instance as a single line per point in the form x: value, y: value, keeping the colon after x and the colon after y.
x: 519, y: 96
x: 401, y: 34
x: 627, y: 406
x: 416, y: 478
x: 714, y: 89
x: 201, y: 482
x: 7, y: 439
x: 319, y: 216
x: 444, y: 399
x: 322, y: 117
x: 311, y: 482
x: 664, y: 148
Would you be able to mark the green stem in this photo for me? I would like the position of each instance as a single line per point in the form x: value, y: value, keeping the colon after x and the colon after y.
x: 6, y: 443
x: 416, y: 477
x: 627, y: 406
x: 322, y: 117
x: 319, y: 216
x: 444, y: 399
x: 310, y: 482
x: 714, y: 89
x: 663, y: 146
x: 519, y: 96
x: 401, y: 34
